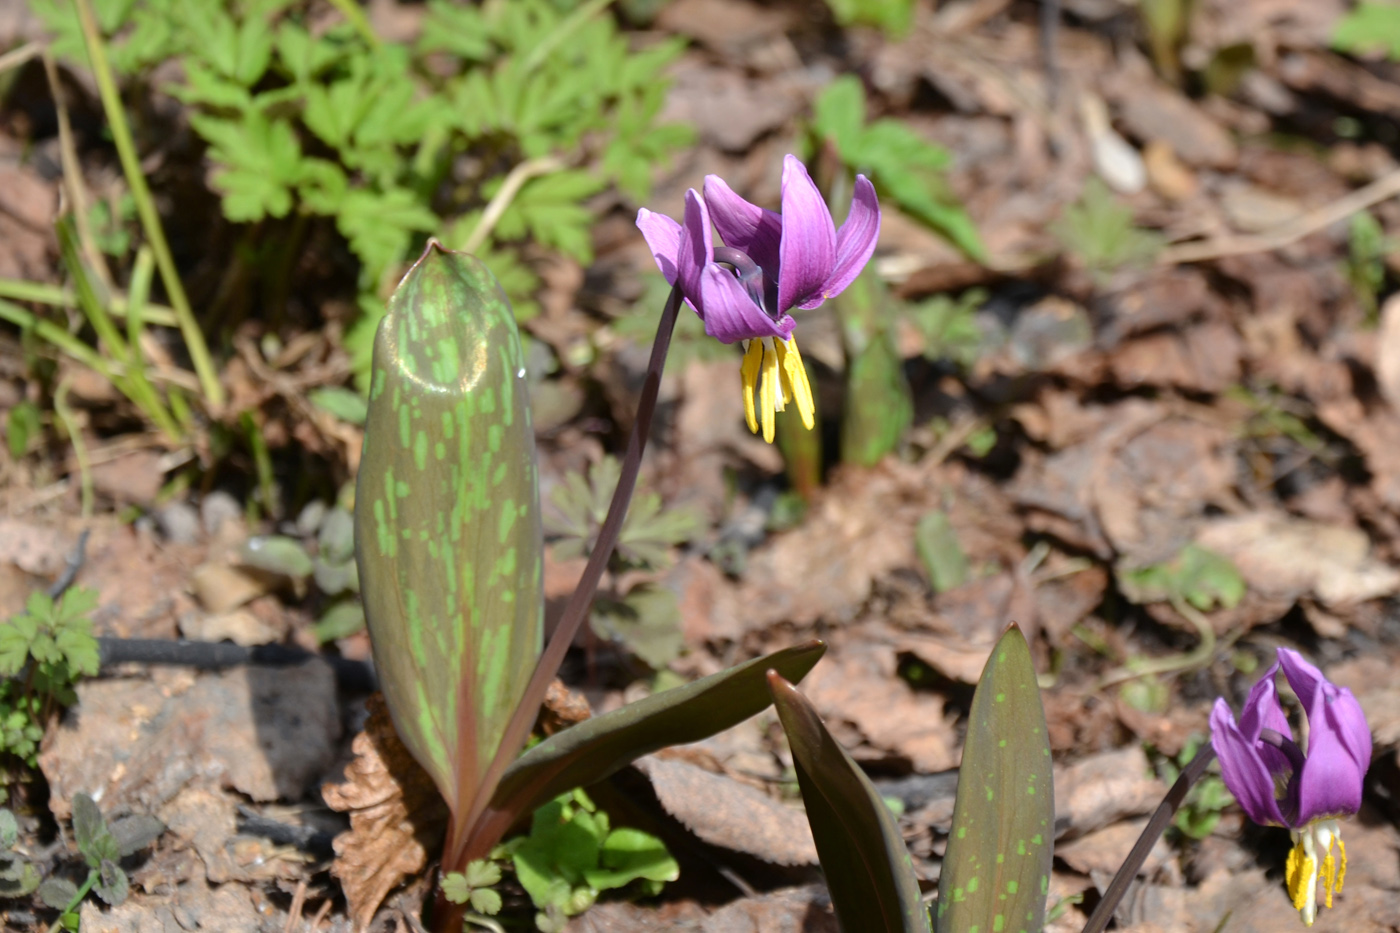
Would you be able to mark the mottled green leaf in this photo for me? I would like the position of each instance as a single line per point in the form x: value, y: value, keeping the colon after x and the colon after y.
x: 596, y: 748
x: 9, y: 829
x: 58, y: 893
x: 939, y: 549
x: 863, y: 856
x: 996, y: 871
x: 345, y: 404
x: 276, y: 554
x: 447, y: 518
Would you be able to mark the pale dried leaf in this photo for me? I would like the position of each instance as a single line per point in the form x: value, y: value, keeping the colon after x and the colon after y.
x: 396, y: 816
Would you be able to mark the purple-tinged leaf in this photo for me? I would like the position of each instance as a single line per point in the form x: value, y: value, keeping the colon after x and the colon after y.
x: 996, y: 871
x: 867, y: 866
x: 596, y: 748
x: 447, y: 519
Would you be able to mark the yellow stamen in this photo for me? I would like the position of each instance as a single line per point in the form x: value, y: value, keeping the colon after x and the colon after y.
x: 795, y: 380
x: 1341, y: 867
x: 1311, y: 845
x: 753, y: 359
x: 774, y: 377
x: 1300, y: 873
x: 770, y: 399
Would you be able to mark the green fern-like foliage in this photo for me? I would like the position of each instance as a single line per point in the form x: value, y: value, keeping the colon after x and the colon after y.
x: 43, y: 650
x: 394, y: 142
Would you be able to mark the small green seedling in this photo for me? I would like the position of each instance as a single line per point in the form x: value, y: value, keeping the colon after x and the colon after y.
x: 1208, y: 798
x: 892, y: 16
x: 474, y: 886
x: 572, y: 854
x: 43, y: 650
x: 1100, y: 230
x: 1369, y: 27
x: 943, y: 557
x: 102, y: 848
x: 1367, y: 248
x: 646, y: 618
x: 949, y: 327
x: 18, y: 876
x: 904, y: 166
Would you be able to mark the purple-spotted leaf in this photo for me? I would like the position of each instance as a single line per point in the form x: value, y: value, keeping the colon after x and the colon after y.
x: 592, y: 750
x: 996, y: 871
x: 863, y: 856
x: 447, y: 519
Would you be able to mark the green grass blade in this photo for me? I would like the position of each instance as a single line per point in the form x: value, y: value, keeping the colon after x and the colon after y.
x: 447, y: 518
x: 596, y: 748
x: 996, y: 871
x: 867, y: 866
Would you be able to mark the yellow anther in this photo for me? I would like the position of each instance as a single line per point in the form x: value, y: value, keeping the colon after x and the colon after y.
x: 753, y: 361
x: 770, y: 398
x: 1300, y: 873
x: 772, y: 372
x: 1341, y: 865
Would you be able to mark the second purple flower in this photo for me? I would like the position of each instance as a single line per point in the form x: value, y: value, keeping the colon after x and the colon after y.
x: 769, y: 264
x: 1278, y: 784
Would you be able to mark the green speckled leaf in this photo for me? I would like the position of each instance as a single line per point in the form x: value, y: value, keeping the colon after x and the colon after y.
x: 447, y: 520
x: 863, y: 856
x: 996, y: 871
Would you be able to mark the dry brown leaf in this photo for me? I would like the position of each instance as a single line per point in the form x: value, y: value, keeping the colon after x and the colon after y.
x: 562, y: 708
x: 874, y: 713
x: 725, y: 813
x: 396, y: 816
x: 1104, y: 788
x: 1286, y: 557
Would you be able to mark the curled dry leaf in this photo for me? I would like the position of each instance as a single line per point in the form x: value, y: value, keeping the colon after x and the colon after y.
x: 562, y: 708
x: 396, y: 816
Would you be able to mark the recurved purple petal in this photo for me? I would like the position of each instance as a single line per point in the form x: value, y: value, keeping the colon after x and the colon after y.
x: 1244, y: 771
x: 855, y: 241
x: 1331, y: 780
x: 744, y: 226
x: 731, y: 315
x: 1338, y: 702
x: 696, y: 250
x: 663, y: 236
x: 807, y: 253
x: 1262, y: 710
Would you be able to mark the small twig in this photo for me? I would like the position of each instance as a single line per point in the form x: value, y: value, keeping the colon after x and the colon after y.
x: 294, y: 911
x: 71, y: 565
x: 530, y: 168
x: 1198, y: 656
x: 1161, y: 819
x: 1049, y: 46
x: 1382, y: 189
x: 14, y: 58
x: 321, y: 913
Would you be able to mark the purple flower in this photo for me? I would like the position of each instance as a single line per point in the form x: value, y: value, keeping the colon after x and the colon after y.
x: 1278, y: 784
x: 769, y: 264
